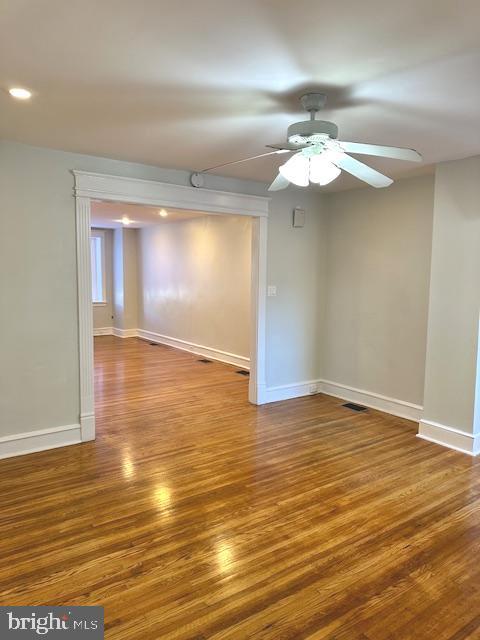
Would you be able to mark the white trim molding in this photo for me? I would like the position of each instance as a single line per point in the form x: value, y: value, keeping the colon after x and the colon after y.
x: 449, y: 437
x: 258, y: 383
x: 115, y: 331
x: 138, y: 191
x: 90, y: 186
x: 399, y: 408
x: 124, y: 333
x: 395, y: 407
x: 289, y: 391
x: 85, y: 318
x: 41, y: 440
x: 103, y: 331
x: 198, y: 349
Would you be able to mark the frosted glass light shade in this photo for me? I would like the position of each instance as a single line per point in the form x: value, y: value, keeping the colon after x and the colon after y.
x: 322, y: 171
x: 296, y: 170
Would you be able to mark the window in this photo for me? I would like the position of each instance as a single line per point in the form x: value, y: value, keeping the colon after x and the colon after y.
x: 97, y: 258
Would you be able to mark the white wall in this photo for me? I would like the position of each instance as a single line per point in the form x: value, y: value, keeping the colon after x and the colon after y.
x: 194, y: 281
x: 125, y: 279
x: 378, y: 269
x: 102, y: 313
x: 454, y: 297
x: 39, y: 377
x: 130, y: 240
x: 118, y: 278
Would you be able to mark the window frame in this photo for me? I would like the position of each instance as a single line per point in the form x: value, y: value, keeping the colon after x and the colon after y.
x: 99, y: 233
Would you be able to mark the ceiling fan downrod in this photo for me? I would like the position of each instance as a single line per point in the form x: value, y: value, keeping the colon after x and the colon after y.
x: 313, y: 102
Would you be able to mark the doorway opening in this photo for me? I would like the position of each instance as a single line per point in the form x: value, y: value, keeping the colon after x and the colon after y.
x: 176, y: 278
x: 94, y: 191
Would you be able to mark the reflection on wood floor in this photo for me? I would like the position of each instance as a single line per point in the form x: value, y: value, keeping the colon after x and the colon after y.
x: 197, y: 515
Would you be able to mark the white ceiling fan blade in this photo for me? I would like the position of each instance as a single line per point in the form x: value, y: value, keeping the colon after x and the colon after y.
x: 398, y: 153
x: 279, y: 183
x: 226, y: 164
x: 288, y: 146
x: 361, y: 171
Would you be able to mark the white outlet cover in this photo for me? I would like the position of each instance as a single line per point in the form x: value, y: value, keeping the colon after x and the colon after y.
x: 271, y: 290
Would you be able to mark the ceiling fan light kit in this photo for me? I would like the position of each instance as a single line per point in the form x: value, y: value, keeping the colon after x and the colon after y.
x: 296, y: 170
x: 322, y: 169
x: 311, y: 165
x: 319, y: 157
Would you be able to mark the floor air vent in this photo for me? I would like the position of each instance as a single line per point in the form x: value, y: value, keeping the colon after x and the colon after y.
x: 354, y: 407
x: 205, y: 361
x: 242, y: 372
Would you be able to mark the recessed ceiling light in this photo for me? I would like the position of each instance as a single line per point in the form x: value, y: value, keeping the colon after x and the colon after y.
x: 125, y: 220
x: 19, y: 93
x: 163, y: 213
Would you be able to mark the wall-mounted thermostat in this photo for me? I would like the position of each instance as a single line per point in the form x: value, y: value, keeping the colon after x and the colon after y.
x: 298, y: 217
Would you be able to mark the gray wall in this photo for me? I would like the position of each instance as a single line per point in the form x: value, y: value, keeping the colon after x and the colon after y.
x: 39, y: 385
x: 352, y: 287
x: 378, y: 269
x: 194, y: 281
x: 39, y: 323
x: 454, y: 297
x: 296, y: 265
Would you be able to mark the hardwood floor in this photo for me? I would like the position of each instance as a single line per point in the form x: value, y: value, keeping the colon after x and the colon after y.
x: 195, y: 515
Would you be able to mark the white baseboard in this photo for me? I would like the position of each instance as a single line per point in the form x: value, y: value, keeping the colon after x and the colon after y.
x: 396, y: 407
x: 256, y: 393
x: 289, y: 391
x: 198, y: 349
x: 399, y: 408
x: 114, y: 331
x: 103, y: 331
x: 125, y: 333
x: 184, y: 345
x: 87, y: 427
x: 33, y: 441
x: 449, y: 437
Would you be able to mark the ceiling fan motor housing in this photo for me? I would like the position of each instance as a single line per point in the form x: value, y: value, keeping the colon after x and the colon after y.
x: 312, y: 127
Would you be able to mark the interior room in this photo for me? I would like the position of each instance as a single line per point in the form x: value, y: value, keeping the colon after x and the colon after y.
x: 176, y: 278
x: 240, y: 315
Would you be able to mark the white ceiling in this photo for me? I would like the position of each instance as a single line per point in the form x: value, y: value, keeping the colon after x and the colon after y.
x: 193, y: 84
x: 106, y: 215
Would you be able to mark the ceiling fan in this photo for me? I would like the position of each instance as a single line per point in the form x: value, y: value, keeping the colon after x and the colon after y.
x: 318, y: 156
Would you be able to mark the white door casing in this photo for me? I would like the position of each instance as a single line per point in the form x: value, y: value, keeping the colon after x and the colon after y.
x: 96, y: 186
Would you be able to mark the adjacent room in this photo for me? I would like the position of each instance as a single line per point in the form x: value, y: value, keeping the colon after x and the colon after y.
x: 173, y: 278
x: 240, y: 315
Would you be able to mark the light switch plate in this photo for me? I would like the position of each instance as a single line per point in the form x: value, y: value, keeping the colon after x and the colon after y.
x: 298, y: 217
x: 271, y: 290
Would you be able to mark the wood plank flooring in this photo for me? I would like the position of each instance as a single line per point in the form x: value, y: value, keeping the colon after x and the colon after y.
x: 195, y: 515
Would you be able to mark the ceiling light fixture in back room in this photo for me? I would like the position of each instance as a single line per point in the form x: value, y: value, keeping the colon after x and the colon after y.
x: 319, y: 157
x: 125, y: 220
x: 20, y: 93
